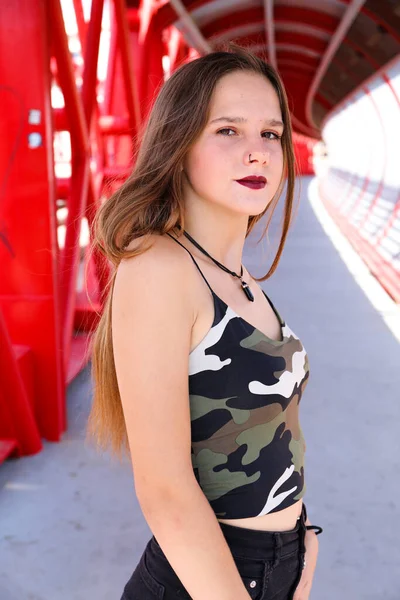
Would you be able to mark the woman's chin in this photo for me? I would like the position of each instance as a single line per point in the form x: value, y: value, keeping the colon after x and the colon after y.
x: 253, y: 209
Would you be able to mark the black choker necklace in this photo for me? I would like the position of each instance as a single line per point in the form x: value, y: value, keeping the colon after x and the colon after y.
x: 245, y: 286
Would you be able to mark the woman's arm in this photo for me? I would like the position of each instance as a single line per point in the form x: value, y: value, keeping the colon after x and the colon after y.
x: 188, y: 532
x: 153, y: 312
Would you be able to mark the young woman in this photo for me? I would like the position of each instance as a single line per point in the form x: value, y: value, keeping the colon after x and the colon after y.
x: 195, y: 371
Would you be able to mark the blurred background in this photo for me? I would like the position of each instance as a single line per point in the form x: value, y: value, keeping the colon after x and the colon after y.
x: 77, y: 79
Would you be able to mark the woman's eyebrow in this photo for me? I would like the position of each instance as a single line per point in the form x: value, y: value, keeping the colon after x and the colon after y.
x: 271, y: 122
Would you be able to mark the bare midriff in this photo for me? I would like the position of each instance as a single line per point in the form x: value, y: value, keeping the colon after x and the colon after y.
x: 282, y: 520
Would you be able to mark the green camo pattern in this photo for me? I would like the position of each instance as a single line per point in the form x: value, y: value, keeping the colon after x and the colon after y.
x: 245, y: 389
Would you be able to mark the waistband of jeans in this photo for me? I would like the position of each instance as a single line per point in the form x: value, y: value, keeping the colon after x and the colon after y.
x: 264, y: 544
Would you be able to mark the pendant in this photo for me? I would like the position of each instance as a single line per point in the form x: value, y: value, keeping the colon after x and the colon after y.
x: 247, y: 290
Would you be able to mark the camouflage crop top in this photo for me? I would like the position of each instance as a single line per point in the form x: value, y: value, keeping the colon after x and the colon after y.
x: 244, y: 391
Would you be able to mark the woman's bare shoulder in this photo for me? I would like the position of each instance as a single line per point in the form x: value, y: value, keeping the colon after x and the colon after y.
x: 161, y: 272
x: 160, y: 252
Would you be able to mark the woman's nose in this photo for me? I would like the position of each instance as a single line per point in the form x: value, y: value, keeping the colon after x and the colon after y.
x: 257, y: 157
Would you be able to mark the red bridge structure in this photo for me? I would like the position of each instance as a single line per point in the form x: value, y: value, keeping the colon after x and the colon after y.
x: 77, y: 81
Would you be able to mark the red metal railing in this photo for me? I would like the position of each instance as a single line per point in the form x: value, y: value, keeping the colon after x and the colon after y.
x: 372, y: 229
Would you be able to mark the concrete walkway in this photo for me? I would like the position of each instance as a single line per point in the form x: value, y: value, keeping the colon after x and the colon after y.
x: 71, y: 527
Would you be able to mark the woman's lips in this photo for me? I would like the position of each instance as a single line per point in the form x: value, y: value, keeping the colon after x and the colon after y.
x: 254, y: 183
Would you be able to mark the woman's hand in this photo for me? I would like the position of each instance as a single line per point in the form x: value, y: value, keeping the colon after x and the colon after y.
x: 304, y: 586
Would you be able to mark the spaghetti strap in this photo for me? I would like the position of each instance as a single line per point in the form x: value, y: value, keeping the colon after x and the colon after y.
x: 282, y: 322
x: 193, y: 259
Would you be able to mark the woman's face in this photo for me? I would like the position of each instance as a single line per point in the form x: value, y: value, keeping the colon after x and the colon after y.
x: 241, y: 139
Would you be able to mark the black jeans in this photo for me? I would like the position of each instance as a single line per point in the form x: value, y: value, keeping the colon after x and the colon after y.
x: 270, y: 564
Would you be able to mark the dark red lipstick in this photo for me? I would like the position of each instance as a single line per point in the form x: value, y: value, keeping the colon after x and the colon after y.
x: 255, y: 182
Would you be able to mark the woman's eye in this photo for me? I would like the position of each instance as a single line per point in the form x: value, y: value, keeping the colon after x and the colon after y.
x: 270, y: 135
x: 275, y: 136
x: 223, y: 131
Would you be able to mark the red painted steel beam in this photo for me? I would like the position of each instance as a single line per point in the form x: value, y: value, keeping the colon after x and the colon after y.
x: 148, y: 9
x: 60, y: 119
x: 126, y: 55
x: 17, y: 414
x: 176, y: 47
x: 121, y: 81
x: 82, y: 190
x: 81, y: 23
x: 97, y: 180
x: 111, y: 67
x: 166, y: 16
x: 319, y: 20
x: 73, y: 106
x: 114, y: 125
x: 314, y: 17
x: 29, y: 282
x: 150, y: 47
x: 286, y: 37
x: 80, y: 172
x: 91, y: 55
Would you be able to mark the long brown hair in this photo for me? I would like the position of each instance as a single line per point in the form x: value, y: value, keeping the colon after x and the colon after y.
x: 150, y: 201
